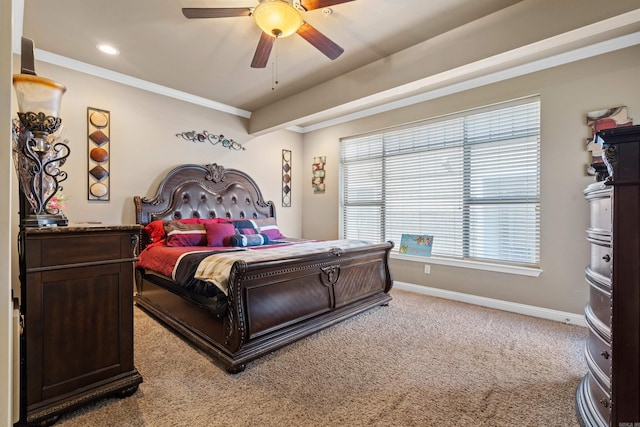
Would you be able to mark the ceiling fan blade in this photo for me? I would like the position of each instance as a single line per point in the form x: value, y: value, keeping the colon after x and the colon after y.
x: 319, y: 4
x: 261, y: 57
x: 320, y: 41
x: 215, y: 12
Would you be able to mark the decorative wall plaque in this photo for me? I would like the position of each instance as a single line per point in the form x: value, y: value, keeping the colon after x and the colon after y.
x: 98, y: 146
x: 286, y: 178
x: 317, y: 181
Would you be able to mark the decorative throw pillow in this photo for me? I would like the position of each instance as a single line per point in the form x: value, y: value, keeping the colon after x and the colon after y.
x: 269, y: 227
x: 181, y: 234
x: 217, y: 232
x: 244, y: 226
x: 155, y: 229
x: 244, y: 240
x: 212, y: 220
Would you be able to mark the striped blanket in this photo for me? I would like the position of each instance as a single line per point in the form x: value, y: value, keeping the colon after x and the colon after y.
x: 215, y: 268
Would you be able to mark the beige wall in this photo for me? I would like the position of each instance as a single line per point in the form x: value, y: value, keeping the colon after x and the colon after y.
x: 567, y: 94
x: 144, y: 146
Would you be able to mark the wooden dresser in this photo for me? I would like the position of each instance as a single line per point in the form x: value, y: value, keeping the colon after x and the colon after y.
x: 77, y: 303
x: 609, y: 395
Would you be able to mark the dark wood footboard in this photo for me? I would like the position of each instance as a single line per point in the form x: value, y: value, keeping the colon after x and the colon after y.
x: 272, y: 304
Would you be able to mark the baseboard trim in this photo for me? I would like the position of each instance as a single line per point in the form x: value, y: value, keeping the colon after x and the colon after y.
x: 529, y: 310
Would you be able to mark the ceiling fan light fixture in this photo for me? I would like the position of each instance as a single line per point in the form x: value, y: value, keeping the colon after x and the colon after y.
x: 277, y: 18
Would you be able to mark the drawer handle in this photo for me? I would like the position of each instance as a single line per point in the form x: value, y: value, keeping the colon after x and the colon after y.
x: 605, y: 354
x: 606, y: 258
x: 135, y: 244
x: 605, y: 402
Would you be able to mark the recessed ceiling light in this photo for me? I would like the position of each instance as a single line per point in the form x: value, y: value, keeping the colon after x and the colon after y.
x: 109, y: 50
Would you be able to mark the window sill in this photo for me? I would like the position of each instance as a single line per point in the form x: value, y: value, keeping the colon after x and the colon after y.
x: 477, y: 265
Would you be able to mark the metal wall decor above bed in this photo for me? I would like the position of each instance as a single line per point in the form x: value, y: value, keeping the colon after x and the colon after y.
x: 205, y: 136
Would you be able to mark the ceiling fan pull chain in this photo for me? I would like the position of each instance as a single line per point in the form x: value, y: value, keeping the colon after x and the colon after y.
x: 274, y: 66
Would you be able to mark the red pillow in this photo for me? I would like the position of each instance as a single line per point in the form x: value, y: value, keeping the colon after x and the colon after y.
x: 189, y: 221
x: 155, y: 229
x: 184, y: 234
x: 217, y: 232
x: 213, y: 220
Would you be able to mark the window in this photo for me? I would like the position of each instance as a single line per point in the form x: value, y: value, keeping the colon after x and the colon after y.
x: 471, y: 180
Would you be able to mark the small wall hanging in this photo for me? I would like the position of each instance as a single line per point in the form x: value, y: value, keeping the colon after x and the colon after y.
x: 286, y: 178
x: 205, y: 136
x: 99, y: 142
x: 317, y: 181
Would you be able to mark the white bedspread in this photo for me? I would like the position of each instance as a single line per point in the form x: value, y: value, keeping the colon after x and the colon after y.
x: 216, y: 268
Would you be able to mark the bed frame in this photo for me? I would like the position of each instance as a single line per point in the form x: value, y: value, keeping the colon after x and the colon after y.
x: 270, y: 304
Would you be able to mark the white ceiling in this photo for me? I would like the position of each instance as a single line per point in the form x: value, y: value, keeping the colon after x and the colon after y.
x: 208, y: 59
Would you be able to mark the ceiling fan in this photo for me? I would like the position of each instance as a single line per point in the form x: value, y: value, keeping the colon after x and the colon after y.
x: 276, y: 19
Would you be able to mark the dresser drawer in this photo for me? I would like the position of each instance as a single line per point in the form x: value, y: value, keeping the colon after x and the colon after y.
x: 599, y: 351
x: 599, y: 197
x: 73, y: 246
x: 601, y: 259
x: 600, y: 399
x: 599, y: 303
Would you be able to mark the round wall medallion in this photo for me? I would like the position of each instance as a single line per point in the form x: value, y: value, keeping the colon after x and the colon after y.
x: 99, y: 155
x: 98, y: 189
x: 99, y: 120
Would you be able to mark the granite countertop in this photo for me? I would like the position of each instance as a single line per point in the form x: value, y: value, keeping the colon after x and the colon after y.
x: 82, y: 226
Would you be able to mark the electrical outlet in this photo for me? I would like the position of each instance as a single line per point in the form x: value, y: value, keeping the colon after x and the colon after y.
x: 427, y: 269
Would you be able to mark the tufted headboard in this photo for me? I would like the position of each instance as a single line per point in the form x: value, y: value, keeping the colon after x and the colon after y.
x: 210, y: 191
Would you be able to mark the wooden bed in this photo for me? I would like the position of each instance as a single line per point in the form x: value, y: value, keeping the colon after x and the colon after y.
x: 269, y: 304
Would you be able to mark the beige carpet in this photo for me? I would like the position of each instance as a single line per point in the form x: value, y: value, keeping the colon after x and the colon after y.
x: 421, y: 361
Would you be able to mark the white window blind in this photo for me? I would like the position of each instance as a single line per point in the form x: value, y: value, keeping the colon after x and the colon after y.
x: 471, y: 180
